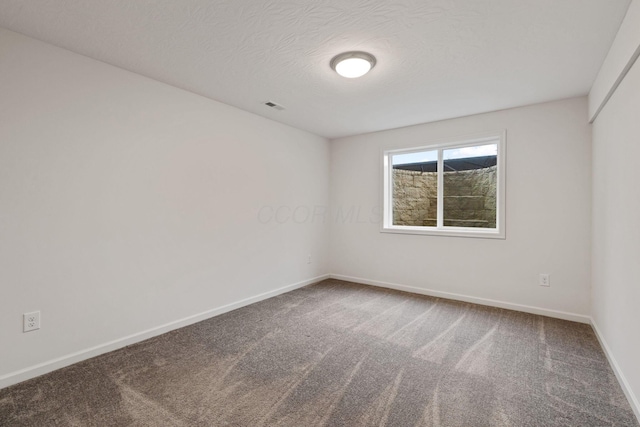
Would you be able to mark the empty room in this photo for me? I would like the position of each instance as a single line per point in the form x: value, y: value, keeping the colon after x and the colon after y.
x: 320, y: 213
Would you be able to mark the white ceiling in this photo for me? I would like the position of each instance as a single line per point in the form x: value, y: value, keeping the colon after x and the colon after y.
x: 437, y: 59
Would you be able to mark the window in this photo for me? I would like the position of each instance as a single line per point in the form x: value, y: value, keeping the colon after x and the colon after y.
x: 451, y: 188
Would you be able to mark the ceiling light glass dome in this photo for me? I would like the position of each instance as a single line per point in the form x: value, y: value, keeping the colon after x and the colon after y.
x: 353, y: 64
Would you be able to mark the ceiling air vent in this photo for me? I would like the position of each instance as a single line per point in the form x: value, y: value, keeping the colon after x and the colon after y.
x: 274, y: 105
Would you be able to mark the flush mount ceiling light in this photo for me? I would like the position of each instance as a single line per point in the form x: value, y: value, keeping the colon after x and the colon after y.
x: 353, y: 64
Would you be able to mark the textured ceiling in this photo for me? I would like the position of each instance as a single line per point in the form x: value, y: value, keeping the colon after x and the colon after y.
x: 436, y: 58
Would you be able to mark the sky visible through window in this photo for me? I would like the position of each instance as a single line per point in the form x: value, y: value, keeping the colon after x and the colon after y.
x: 450, y: 154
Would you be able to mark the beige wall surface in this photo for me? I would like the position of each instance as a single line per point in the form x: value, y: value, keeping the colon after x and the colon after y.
x: 127, y: 204
x: 616, y: 230
x: 548, y: 204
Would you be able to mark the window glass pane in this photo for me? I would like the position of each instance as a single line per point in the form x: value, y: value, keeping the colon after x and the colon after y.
x: 415, y: 188
x: 419, y: 157
x: 470, y: 179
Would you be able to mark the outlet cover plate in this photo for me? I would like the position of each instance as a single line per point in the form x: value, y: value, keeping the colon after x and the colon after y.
x: 544, y: 280
x: 31, y: 321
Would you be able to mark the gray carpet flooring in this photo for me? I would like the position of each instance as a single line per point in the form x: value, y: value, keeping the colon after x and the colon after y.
x: 339, y: 354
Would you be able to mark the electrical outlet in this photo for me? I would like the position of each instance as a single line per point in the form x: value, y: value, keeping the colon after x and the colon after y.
x: 309, y: 260
x: 544, y: 280
x: 31, y: 321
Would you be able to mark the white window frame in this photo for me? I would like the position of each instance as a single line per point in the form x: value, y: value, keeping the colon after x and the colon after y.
x: 440, y: 230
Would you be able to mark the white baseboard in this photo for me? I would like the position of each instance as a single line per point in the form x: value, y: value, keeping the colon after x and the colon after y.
x: 476, y: 300
x: 631, y: 397
x: 69, y: 359
x: 61, y: 362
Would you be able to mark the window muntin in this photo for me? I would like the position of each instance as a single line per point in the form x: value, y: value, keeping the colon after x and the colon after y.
x: 453, y: 188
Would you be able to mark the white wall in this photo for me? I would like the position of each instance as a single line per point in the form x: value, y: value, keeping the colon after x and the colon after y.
x: 127, y: 204
x: 616, y: 227
x: 624, y: 50
x: 547, y: 222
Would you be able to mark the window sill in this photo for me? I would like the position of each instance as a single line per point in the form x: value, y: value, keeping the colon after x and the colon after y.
x: 446, y: 231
